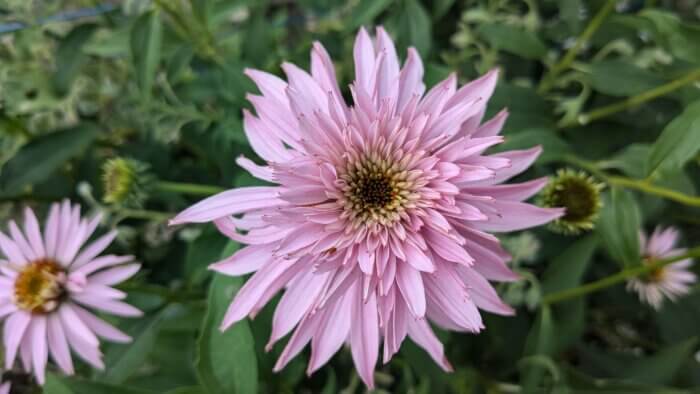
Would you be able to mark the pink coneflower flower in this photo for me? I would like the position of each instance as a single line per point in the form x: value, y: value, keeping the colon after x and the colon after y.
x: 47, y: 282
x: 378, y: 220
x: 670, y: 281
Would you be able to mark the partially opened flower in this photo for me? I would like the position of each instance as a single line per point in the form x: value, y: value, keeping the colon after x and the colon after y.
x: 379, y: 217
x: 49, y: 280
x: 670, y: 281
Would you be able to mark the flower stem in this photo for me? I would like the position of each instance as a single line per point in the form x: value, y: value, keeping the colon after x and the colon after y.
x: 570, y: 55
x: 188, y: 188
x: 642, y: 185
x: 616, y: 278
x: 633, y: 101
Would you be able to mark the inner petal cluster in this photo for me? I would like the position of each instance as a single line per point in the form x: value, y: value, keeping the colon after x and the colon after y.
x: 39, y: 287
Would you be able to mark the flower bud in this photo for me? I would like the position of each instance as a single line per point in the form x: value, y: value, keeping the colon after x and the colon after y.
x: 579, y: 194
x: 126, y: 182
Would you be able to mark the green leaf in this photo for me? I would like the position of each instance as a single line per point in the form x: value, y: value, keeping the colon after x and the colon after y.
x: 440, y: 7
x: 680, y: 38
x: 37, y: 160
x: 123, y: 361
x: 539, y: 344
x: 188, y: 390
x: 567, y: 268
x: 619, y: 226
x: 659, y: 368
x: 203, y: 251
x: 678, y: 142
x: 226, y: 361
x: 618, y: 78
x: 68, y: 385
x: 513, y: 39
x: 414, y: 27
x: 632, y: 160
x: 365, y: 11
x: 146, y: 37
x: 70, y: 57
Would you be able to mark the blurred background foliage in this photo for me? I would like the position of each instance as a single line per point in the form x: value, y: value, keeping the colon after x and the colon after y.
x: 606, y: 86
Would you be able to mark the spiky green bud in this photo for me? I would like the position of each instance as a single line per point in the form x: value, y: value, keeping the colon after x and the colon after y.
x: 579, y: 194
x: 126, y: 182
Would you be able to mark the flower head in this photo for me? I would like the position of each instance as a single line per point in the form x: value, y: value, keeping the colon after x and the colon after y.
x: 579, y: 194
x: 47, y: 284
x: 125, y: 181
x: 378, y: 220
x: 670, y: 281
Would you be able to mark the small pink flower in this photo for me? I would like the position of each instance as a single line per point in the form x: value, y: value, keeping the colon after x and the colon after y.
x: 46, y: 283
x: 671, y: 281
x: 379, y: 217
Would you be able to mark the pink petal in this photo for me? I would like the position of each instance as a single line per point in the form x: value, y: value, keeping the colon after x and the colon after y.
x: 245, y: 261
x: 58, y: 344
x: 410, y: 284
x: 40, y: 348
x: 364, y: 335
x: 15, y: 328
x: 230, y: 202
x: 116, y: 275
x: 421, y: 333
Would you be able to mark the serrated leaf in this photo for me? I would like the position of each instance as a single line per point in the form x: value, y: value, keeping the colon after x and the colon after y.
x: 226, y: 362
x: 619, y: 226
x: 37, y: 160
x: 678, y: 142
x: 146, y: 37
x: 70, y: 57
x: 513, y: 39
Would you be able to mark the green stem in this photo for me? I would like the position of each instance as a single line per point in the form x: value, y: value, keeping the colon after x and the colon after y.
x: 616, y: 278
x: 645, y: 186
x: 188, y: 188
x: 570, y: 55
x: 633, y: 101
x: 642, y: 185
x: 171, y: 295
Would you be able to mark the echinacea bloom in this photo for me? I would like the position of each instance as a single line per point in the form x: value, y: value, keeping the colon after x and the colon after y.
x: 670, y: 281
x: 379, y: 217
x: 47, y: 284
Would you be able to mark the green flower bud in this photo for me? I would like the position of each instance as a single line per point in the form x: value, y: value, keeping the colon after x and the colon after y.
x: 126, y: 182
x: 579, y: 194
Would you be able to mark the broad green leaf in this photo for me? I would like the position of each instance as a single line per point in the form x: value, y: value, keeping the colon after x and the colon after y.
x: 553, y: 146
x: 146, y: 37
x: 632, y: 160
x: 123, y: 361
x: 414, y: 27
x: 515, y: 40
x: 226, y: 362
x: 70, y: 385
x: 203, y: 251
x: 679, y: 37
x: 188, y: 390
x: 618, y: 78
x: 364, y: 12
x: 567, y: 269
x: 659, y: 368
x: 679, y: 141
x: 619, y: 226
x: 37, y: 160
x: 440, y: 7
x: 539, y: 344
x: 70, y: 57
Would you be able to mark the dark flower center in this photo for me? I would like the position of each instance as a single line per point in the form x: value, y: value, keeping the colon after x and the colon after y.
x: 578, y: 197
x: 374, y: 190
x: 40, y: 286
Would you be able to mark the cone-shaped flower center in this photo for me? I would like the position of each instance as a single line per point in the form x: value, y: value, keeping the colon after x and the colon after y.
x: 654, y: 276
x: 40, y: 286
x: 376, y: 190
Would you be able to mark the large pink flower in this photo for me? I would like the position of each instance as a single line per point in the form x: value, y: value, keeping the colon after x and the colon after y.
x: 378, y: 220
x: 671, y: 281
x: 47, y: 282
